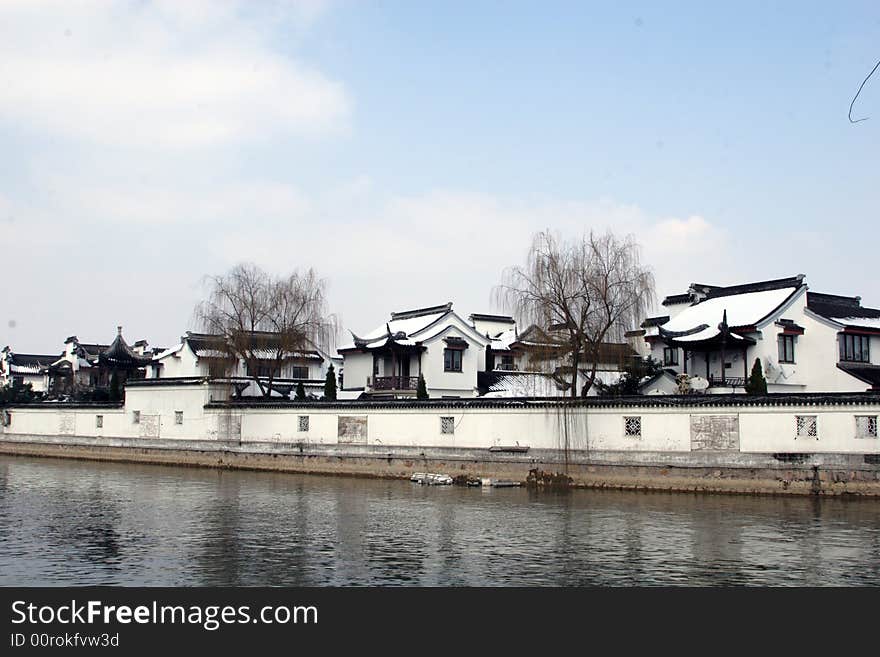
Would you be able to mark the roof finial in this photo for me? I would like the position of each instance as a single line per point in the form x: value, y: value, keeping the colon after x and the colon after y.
x: 119, y: 330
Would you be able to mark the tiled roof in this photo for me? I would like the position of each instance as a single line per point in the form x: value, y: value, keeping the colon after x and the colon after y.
x: 655, y: 321
x: 29, y: 363
x: 119, y: 354
x: 797, y: 400
x: 759, y: 286
x: 866, y: 372
x: 845, y: 310
x: 674, y: 299
x: 263, y: 346
x: 506, y: 319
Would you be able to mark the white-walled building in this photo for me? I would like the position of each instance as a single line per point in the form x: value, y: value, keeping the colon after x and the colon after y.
x: 806, y: 341
x: 434, y: 342
x: 203, y: 355
x: 20, y: 369
x: 485, y: 355
x: 533, y: 364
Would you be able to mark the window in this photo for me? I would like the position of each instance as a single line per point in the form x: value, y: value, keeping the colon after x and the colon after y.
x: 866, y: 426
x: 855, y: 348
x: 264, y: 370
x: 447, y: 425
x: 99, y: 421
x: 507, y: 362
x: 135, y: 417
x: 452, y: 360
x: 303, y: 423
x: 299, y: 372
x: 632, y: 426
x: 670, y: 356
x: 786, y: 348
x: 806, y: 426
x: 178, y: 417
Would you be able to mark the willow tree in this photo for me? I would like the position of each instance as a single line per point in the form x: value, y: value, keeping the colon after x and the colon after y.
x: 583, y: 293
x: 264, y: 320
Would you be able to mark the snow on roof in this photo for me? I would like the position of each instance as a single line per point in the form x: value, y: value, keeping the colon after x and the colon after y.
x: 30, y: 368
x: 408, y: 326
x: 168, y: 352
x: 742, y: 310
x: 524, y: 385
x: 867, y: 322
x: 502, y: 341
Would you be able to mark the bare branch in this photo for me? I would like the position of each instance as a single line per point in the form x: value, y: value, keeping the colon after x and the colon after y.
x: 266, y: 321
x: 583, y: 293
x: 861, y: 86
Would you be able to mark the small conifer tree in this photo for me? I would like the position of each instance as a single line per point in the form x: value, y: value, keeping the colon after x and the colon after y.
x: 757, y: 384
x: 421, y: 388
x: 330, y: 384
x: 300, y: 392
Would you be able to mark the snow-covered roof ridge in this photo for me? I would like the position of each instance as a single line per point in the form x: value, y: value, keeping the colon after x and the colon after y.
x: 867, y: 322
x: 751, y: 308
x: 409, y: 327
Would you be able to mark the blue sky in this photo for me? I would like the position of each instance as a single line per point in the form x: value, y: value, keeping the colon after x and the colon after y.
x: 408, y: 151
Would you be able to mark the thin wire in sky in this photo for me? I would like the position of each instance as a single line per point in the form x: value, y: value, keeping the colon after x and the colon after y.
x: 865, y: 118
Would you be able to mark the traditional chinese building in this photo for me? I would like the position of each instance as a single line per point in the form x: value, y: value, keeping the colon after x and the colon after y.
x: 805, y: 341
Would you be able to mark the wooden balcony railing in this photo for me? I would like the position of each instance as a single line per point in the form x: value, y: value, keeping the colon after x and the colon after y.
x: 394, y: 382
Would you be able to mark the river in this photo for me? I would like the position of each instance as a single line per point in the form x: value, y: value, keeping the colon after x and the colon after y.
x: 67, y: 522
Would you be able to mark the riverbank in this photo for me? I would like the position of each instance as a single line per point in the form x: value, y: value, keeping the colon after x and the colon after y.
x: 765, y: 474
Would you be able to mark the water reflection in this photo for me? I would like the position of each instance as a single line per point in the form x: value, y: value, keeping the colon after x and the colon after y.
x: 68, y: 522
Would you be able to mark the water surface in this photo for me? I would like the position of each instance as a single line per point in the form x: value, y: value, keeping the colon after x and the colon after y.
x: 65, y: 522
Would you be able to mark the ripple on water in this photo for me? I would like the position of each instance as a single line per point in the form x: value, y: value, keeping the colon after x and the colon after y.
x: 68, y: 522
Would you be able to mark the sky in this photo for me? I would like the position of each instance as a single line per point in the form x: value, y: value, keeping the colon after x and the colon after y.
x: 408, y: 151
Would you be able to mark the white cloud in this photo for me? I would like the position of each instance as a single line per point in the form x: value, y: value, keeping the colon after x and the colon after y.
x: 162, y: 74
x: 390, y: 252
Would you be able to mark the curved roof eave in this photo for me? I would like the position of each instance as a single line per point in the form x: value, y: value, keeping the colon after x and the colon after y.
x: 781, y: 308
x: 464, y: 328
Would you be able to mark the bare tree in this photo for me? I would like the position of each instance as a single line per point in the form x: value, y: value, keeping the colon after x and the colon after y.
x: 264, y: 320
x: 585, y: 292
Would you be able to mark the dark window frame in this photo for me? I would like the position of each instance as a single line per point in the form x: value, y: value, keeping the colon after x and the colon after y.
x: 450, y: 356
x: 263, y: 370
x: 785, y: 345
x: 299, y: 372
x: 855, y: 348
x: 670, y: 355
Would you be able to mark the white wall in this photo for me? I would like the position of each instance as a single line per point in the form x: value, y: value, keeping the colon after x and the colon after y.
x: 484, y: 326
x: 357, y: 368
x: 441, y: 383
x: 762, y: 429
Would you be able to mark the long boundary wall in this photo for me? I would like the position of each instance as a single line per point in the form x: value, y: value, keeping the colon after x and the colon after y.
x: 801, y: 444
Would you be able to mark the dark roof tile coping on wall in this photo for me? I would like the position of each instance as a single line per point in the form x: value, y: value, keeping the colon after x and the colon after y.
x: 759, y: 286
x: 643, y: 401
x: 418, y: 312
x: 52, y: 405
x: 506, y: 319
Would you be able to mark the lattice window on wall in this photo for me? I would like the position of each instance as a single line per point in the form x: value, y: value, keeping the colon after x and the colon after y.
x: 632, y: 426
x: 178, y: 417
x: 447, y: 425
x: 303, y: 423
x: 135, y: 417
x: 866, y: 426
x: 99, y: 421
x: 807, y: 426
